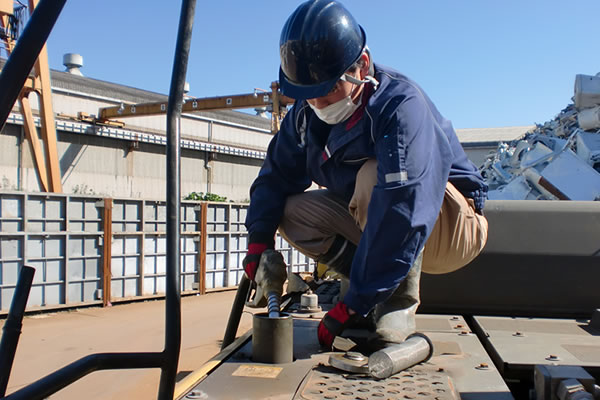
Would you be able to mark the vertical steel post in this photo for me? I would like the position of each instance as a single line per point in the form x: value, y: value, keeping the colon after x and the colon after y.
x: 107, y: 252
x: 203, y: 243
x: 173, y: 295
x: 13, y: 324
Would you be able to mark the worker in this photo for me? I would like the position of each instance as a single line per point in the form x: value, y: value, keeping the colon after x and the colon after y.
x: 397, y: 192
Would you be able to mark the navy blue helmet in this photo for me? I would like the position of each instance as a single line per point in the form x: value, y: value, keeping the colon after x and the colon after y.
x: 318, y: 43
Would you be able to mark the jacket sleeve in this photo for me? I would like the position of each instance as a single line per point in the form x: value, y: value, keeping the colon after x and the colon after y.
x: 282, y: 174
x: 413, y: 157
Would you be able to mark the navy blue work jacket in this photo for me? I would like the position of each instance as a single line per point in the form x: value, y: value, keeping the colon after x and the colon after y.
x: 417, y: 152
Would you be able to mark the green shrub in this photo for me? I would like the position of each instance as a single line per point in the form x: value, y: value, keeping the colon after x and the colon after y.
x: 201, y: 196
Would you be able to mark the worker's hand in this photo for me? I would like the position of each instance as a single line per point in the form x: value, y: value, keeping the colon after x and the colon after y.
x: 252, y: 258
x: 334, y: 323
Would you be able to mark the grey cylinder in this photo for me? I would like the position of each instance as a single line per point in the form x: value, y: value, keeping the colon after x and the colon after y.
x: 391, y: 360
x: 309, y: 300
x: 272, y: 339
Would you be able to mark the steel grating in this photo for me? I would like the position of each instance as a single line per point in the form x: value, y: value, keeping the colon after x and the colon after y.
x: 421, y: 382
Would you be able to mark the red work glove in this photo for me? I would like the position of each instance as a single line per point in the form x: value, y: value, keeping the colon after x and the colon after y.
x: 334, y: 323
x: 252, y: 258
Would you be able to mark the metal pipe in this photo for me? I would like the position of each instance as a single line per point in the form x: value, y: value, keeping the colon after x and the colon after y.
x: 272, y: 339
x: 236, y: 311
x: 57, y: 380
x: 23, y: 57
x: 173, y: 295
x: 12, y: 327
x: 391, y: 360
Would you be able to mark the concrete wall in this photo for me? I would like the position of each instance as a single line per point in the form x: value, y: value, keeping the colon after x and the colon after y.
x: 10, y: 175
x: 118, y: 168
x: 478, y: 154
x: 121, y: 168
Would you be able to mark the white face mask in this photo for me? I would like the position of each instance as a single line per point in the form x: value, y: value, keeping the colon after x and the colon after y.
x: 336, y: 112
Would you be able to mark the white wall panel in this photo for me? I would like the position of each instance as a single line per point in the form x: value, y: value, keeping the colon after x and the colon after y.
x: 69, y: 262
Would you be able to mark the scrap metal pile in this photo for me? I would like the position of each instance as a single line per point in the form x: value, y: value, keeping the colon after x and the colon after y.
x: 559, y: 159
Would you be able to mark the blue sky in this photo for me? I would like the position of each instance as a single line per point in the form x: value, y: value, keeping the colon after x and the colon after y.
x: 484, y: 63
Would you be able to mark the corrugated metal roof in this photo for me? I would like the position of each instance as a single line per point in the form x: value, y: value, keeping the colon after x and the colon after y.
x: 492, y: 135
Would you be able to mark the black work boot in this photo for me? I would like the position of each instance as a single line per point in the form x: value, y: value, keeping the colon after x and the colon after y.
x: 395, y: 317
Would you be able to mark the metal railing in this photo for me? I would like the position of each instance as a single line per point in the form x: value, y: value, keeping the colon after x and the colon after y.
x: 100, y: 251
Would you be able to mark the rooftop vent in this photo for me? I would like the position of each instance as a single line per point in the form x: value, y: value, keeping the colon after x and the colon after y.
x: 73, y: 62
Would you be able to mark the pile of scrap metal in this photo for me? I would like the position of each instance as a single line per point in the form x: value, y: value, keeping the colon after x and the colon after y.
x: 559, y: 159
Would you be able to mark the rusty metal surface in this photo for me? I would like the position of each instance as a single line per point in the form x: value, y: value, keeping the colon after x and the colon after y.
x: 421, y: 382
x: 518, y: 344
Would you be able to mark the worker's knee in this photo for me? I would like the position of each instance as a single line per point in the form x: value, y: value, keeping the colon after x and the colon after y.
x: 459, y: 235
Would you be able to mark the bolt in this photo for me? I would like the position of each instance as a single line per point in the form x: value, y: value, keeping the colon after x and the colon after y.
x: 482, y: 366
x: 463, y: 333
x: 196, y: 394
x: 274, y: 304
x: 458, y: 326
x: 519, y: 334
x: 552, y: 357
x: 355, y: 356
x: 454, y: 318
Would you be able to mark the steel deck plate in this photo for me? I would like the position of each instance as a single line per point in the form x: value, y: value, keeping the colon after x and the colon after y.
x: 518, y: 344
x: 458, y: 352
x: 459, y: 359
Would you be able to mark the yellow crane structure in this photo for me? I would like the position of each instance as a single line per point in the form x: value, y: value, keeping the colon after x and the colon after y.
x: 46, y: 162
x: 274, y: 101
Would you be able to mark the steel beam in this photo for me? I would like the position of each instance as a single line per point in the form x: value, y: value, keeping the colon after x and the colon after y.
x: 249, y: 100
x: 47, y: 116
x: 107, y: 251
x: 34, y: 142
x: 6, y: 6
x: 203, y: 244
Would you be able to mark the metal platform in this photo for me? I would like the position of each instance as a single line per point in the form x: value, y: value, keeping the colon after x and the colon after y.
x: 519, y: 344
x: 459, y: 368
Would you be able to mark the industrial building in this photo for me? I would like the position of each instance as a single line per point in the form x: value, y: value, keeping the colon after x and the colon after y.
x: 221, y: 150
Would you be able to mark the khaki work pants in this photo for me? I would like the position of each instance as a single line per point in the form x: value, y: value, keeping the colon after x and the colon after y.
x: 313, y: 219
